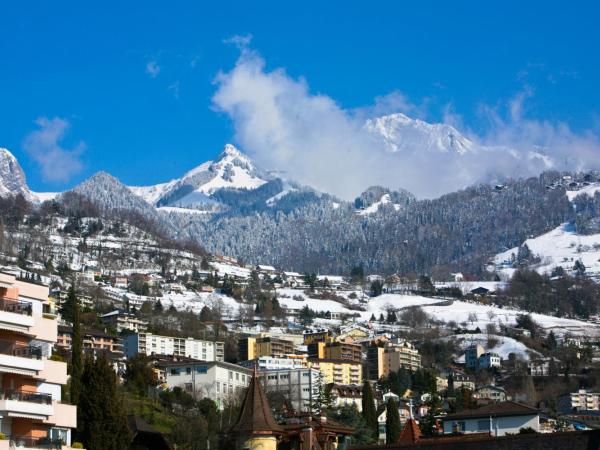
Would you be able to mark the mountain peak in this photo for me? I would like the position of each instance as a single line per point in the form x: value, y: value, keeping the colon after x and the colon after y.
x: 12, y: 177
x: 401, y: 133
x: 230, y: 150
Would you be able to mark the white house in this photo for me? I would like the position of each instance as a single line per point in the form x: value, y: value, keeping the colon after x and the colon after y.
x: 215, y: 380
x: 497, y: 418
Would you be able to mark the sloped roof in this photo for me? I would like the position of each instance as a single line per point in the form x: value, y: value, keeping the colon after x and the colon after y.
x: 495, y: 409
x: 411, y: 432
x: 256, y: 416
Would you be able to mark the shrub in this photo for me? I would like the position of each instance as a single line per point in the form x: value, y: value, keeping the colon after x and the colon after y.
x: 76, y: 445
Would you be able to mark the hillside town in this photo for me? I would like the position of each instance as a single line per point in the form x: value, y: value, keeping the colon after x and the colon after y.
x: 373, y: 360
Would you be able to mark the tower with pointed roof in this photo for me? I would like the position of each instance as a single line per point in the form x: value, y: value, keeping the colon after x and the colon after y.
x: 256, y: 428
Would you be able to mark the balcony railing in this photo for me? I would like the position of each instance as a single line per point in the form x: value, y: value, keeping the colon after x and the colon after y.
x: 23, y: 351
x: 27, y: 396
x: 30, y: 442
x: 16, y: 306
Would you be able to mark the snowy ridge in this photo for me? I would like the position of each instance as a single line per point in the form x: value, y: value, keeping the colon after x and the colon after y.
x: 400, y: 133
x: 232, y: 170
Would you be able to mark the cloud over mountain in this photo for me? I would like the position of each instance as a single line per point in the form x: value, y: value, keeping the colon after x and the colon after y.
x: 311, y: 138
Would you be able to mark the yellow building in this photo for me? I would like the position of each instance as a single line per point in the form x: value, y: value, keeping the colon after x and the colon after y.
x: 264, y: 345
x: 383, y: 358
x: 335, y: 350
x: 320, y: 335
x: 338, y: 370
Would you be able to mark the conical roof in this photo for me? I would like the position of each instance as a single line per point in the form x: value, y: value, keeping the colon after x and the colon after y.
x: 256, y: 416
x: 411, y: 432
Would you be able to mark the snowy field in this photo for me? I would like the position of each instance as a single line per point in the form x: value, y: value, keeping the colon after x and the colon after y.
x: 505, y: 346
x: 559, y: 247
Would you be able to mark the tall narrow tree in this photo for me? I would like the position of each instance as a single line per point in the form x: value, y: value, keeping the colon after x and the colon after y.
x: 368, y: 409
x: 392, y: 422
x: 102, y: 422
x: 76, y: 351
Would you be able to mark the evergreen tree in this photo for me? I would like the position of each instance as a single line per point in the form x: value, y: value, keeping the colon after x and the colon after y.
x: 158, y: 307
x: 138, y: 374
x: 76, y: 344
x: 368, y: 409
x: 102, y: 422
x: 392, y: 422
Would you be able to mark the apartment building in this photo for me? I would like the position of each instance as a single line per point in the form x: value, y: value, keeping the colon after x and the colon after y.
x: 582, y: 400
x: 338, y: 371
x: 335, y: 350
x: 216, y: 380
x: 269, y: 363
x: 317, y: 335
x: 31, y: 410
x: 152, y: 344
x: 91, y: 339
x: 123, y: 321
x: 252, y: 347
x: 386, y: 357
x: 300, y: 386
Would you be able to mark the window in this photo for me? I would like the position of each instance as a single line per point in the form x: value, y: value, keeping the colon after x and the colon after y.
x: 174, y: 372
x: 188, y: 370
x: 237, y: 376
x: 483, y: 425
x: 458, y: 427
x: 230, y: 375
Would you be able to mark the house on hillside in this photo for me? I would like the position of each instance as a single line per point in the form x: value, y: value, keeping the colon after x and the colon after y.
x: 498, y: 419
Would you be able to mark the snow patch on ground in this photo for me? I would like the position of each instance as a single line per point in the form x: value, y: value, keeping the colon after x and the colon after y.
x: 505, y: 346
x: 559, y: 247
x: 385, y: 199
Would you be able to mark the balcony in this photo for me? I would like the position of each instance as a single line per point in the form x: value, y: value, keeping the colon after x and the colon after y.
x: 27, y: 442
x: 34, y: 405
x: 16, y: 315
x: 19, y: 359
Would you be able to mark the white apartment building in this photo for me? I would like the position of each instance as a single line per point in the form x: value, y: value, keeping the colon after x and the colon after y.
x: 299, y: 386
x: 271, y: 363
x: 215, y: 380
x: 152, y: 344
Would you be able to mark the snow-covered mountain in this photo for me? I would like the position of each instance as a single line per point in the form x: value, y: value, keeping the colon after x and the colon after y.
x: 231, y: 170
x: 12, y: 177
x: 13, y: 180
x: 110, y: 194
x: 400, y: 133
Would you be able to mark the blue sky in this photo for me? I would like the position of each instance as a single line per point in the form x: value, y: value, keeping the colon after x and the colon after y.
x: 128, y: 88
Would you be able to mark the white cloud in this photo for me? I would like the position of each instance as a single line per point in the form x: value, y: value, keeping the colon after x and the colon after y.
x: 174, y: 88
x: 240, y: 41
x: 58, y: 164
x: 286, y: 127
x: 152, y: 68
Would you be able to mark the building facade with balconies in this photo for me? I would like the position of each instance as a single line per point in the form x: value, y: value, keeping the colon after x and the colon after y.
x: 31, y: 411
x: 152, y: 344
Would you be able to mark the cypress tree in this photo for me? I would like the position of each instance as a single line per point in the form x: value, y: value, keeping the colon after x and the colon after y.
x: 76, y: 344
x: 392, y: 422
x: 101, y: 415
x: 368, y: 409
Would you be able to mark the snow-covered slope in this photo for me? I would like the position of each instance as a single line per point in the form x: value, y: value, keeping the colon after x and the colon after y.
x: 231, y: 170
x: 561, y: 247
x: 385, y: 199
x: 110, y: 194
x: 400, y: 133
